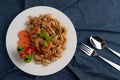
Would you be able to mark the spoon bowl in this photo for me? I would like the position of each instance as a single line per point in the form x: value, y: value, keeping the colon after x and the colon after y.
x: 99, y: 43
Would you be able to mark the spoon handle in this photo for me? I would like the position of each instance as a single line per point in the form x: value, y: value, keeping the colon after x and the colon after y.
x: 110, y: 63
x: 116, y: 53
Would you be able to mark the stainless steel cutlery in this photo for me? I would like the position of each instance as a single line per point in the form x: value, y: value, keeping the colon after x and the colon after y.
x: 91, y: 52
x: 99, y: 43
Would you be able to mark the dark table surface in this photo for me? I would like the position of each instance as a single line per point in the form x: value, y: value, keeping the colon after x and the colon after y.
x: 90, y: 17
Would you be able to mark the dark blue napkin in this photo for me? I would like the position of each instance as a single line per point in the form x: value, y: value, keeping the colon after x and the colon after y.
x: 90, y: 17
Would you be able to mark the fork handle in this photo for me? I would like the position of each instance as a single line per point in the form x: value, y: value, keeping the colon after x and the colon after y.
x: 110, y: 63
x: 116, y: 53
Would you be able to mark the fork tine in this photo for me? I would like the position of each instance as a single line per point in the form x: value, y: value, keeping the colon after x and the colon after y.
x: 87, y: 47
x: 84, y: 48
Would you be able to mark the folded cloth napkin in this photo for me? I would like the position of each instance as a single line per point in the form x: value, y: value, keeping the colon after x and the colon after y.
x: 90, y: 17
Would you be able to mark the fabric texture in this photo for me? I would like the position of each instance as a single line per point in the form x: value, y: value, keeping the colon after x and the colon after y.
x: 90, y: 17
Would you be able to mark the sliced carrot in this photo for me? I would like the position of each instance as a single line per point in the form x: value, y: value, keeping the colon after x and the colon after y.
x: 23, y: 34
x: 24, y: 38
x: 23, y: 42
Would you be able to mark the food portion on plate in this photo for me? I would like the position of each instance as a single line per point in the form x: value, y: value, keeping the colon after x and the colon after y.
x: 44, y: 40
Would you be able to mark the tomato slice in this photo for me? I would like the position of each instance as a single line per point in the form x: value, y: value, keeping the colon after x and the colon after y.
x: 22, y: 55
x: 29, y: 50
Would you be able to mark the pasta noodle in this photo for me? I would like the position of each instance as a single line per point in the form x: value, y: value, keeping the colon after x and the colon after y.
x: 48, y: 38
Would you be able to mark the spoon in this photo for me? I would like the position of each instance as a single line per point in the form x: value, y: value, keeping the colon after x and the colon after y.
x: 99, y: 43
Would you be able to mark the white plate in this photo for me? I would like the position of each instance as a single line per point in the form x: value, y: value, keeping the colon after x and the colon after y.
x: 19, y: 24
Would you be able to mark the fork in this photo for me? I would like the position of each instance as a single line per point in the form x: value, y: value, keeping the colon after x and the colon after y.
x: 91, y: 52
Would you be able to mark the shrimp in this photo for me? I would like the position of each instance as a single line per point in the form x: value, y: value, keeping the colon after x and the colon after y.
x: 38, y: 42
x: 50, y: 45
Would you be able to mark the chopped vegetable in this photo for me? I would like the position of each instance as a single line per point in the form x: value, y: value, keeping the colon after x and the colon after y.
x: 22, y: 55
x: 25, y: 53
x: 48, y: 38
x: 28, y: 58
x: 19, y: 48
x: 45, y: 44
x: 29, y: 50
x: 45, y: 36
